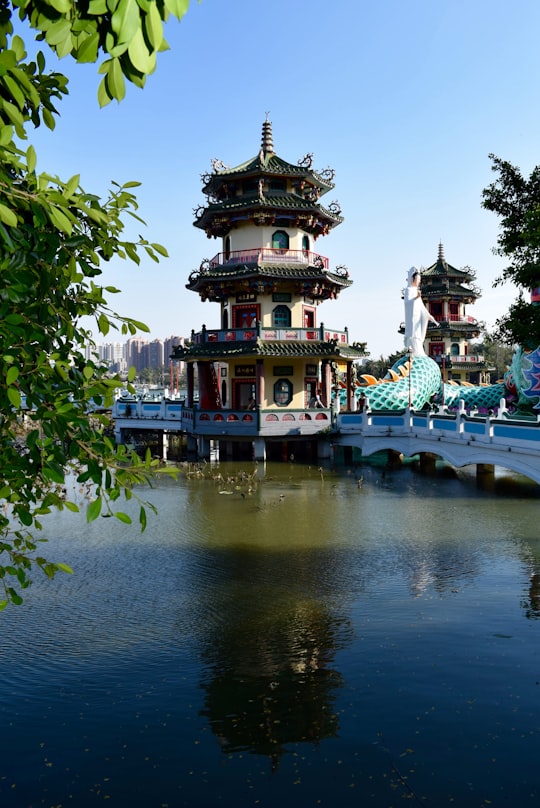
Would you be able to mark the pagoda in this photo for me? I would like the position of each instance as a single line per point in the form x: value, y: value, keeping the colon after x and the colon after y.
x: 447, y: 291
x: 266, y: 378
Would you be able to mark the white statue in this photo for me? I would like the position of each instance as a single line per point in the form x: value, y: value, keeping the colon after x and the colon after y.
x: 416, y: 315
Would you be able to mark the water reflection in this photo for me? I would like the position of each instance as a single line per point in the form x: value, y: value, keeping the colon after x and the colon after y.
x: 360, y: 644
x: 270, y: 679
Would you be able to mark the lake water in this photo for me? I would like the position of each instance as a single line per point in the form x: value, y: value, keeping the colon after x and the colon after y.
x: 291, y: 638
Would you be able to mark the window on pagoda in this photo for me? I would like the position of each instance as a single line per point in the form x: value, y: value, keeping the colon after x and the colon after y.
x: 278, y: 185
x: 283, y: 392
x: 454, y: 312
x: 246, y: 316
x: 281, y: 317
x: 454, y: 350
x: 305, y: 243
x: 280, y: 240
x: 227, y: 248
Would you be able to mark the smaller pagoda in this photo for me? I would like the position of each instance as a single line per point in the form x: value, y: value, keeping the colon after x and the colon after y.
x: 447, y: 291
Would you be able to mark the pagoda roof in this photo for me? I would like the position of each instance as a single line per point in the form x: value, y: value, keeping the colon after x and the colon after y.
x: 222, y: 280
x: 267, y: 162
x: 260, y: 348
x: 281, y: 271
x: 241, y: 208
x: 445, y: 287
x: 441, y: 268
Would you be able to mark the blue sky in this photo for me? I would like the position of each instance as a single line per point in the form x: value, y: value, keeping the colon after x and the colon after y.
x: 405, y: 100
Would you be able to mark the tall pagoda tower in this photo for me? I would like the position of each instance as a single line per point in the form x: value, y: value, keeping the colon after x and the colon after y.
x: 447, y: 292
x: 269, y: 371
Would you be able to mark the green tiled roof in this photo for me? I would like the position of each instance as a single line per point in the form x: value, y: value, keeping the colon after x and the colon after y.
x: 439, y: 288
x: 260, y: 348
x: 280, y: 271
x: 237, y: 208
x: 277, y: 199
x: 270, y: 164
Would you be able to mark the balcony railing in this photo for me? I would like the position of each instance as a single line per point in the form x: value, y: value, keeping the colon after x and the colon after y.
x: 269, y: 255
x: 319, y: 333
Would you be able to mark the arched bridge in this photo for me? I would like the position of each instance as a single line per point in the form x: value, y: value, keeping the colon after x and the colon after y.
x: 460, y: 439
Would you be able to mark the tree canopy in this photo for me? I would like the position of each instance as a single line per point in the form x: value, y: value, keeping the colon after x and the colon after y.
x: 516, y: 200
x: 55, y: 238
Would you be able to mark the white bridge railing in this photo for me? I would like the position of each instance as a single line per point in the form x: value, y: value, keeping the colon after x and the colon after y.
x: 459, y: 438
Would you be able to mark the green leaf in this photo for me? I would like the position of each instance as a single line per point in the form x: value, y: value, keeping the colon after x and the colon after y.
x: 161, y: 250
x: 141, y: 59
x: 63, y: 6
x: 15, y: 597
x: 104, y: 96
x: 60, y: 220
x: 54, y: 472
x: 58, y: 32
x: 142, y: 518
x: 125, y: 21
x: 63, y: 567
x: 14, y: 397
x: 97, y: 7
x: 31, y: 159
x: 88, y: 49
x: 7, y: 216
x: 71, y: 506
x: 6, y: 135
x: 177, y: 7
x: 12, y: 375
x: 153, y: 27
x: 123, y: 517
x: 93, y: 510
x: 115, y: 80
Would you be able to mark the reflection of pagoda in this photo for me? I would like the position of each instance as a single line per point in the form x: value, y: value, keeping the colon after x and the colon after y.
x: 273, y: 683
x: 270, y: 354
x: 270, y: 677
x: 446, y: 291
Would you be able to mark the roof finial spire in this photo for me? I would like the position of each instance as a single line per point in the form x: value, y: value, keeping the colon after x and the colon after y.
x: 441, y: 251
x: 267, y: 143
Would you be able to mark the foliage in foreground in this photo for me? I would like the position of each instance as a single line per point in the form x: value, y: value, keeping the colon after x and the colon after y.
x: 54, y: 238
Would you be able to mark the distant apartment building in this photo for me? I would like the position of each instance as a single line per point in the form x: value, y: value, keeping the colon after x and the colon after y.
x: 140, y: 354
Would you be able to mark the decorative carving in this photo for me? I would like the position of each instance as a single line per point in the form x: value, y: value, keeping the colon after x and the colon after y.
x: 205, y: 178
x: 218, y: 165
x: 306, y: 161
x: 327, y: 174
x: 342, y: 271
x: 198, y: 211
x: 335, y: 208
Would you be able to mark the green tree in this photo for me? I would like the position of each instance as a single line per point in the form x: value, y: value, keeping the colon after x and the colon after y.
x: 379, y: 367
x: 516, y: 200
x: 54, y: 239
x: 497, y: 354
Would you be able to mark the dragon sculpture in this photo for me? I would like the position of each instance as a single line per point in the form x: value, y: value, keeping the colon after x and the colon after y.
x: 417, y: 380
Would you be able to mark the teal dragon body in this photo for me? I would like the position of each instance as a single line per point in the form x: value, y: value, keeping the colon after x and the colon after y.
x: 417, y: 381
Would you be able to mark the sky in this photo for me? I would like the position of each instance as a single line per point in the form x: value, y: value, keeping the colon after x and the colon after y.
x: 404, y: 100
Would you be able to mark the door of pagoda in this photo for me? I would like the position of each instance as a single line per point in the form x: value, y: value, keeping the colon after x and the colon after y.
x: 243, y: 394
